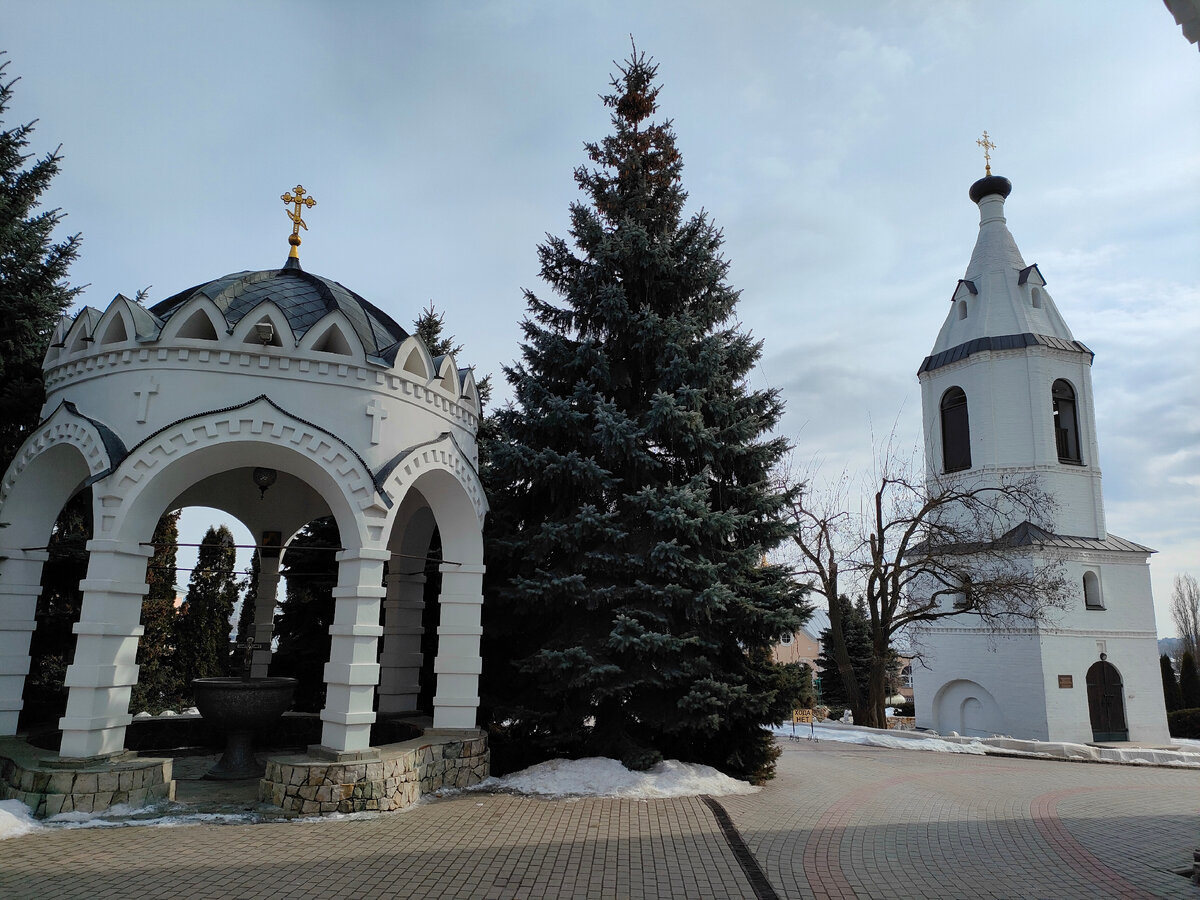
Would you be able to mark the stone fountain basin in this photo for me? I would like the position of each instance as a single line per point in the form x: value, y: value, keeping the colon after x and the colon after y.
x: 238, y: 707
x: 240, y: 704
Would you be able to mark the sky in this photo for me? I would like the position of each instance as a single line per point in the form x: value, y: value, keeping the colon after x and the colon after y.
x: 834, y: 144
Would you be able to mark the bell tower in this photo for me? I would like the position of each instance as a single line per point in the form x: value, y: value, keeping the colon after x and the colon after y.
x: 1007, y: 388
x: 1007, y: 391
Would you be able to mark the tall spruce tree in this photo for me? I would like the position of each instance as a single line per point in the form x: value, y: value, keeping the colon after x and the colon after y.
x: 630, y: 611
x: 856, y: 631
x: 1189, y: 682
x: 429, y: 327
x: 310, y: 570
x: 203, y: 626
x: 33, y: 277
x: 159, y: 683
x: 1172, y: 695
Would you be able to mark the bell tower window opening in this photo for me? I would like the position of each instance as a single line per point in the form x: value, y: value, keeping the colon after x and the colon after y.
x: 956, y: 431
x: 1092, y: 598
x: 1066, y: 423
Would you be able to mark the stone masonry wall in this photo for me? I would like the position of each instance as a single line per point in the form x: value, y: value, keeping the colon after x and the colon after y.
x: 404, y: 771
x: 50, y: 789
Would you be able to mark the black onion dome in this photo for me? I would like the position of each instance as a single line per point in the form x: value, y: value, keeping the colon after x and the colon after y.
x: 992, y: 184
x: 303, y: 298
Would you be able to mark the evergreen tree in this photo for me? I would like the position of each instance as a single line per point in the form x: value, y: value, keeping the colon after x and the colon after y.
x: 630, y: 484
x: 203, y: 627
x: 1171, y: 692
x: 33, y: 277
x: 428, y: 327
x: 1189, y: 682
x: 244, y: 635
x: 245, y: 626
x: 311, y: 570
x: 52, y: 645
x: 159, y: 683
x: 857, y: 630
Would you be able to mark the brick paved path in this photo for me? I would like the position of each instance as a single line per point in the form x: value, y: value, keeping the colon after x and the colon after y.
x: 842, y: 820
x: 839, y: 821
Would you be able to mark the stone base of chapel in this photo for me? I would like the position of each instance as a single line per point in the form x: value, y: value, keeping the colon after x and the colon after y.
x: 393, y: 777
x: 49, y: 785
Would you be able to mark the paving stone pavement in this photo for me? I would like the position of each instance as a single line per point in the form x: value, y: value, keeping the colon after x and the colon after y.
x: 839, y: 821
x: 842, y: 820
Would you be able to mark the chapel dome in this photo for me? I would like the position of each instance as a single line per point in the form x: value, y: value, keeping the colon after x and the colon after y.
x: 304, y: 299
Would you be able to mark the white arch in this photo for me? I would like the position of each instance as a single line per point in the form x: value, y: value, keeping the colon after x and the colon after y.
x: 257, y: 433
x: 182, y: 318
x: 64, y: 427
x: 968, y: 708
x: 325, y: 327
x: 442, y: 454
x: 64, y: 453
x: 269, y: 311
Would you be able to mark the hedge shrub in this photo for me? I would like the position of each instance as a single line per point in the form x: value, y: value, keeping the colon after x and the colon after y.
x: 1184, y: 723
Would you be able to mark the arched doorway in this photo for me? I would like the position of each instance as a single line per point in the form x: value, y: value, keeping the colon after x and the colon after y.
x: 1106, y: 703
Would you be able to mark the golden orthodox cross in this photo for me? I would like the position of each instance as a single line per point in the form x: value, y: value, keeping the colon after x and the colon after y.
x: 986, y: 143
x: 299, y: 200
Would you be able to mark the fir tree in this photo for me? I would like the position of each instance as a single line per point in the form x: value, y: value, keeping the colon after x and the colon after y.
x: 33, y: 277
x: 428, y: 327
x: 1189, y: 682
x: 1172, y: 695
x: 857, y: 631
x: 203, y: 629
x: 52, y: 644
x: 311, y: 572
x: 159, y: 683
x: 632, y: 504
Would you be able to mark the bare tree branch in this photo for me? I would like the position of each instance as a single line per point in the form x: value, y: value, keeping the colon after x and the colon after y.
x: 924, y: 549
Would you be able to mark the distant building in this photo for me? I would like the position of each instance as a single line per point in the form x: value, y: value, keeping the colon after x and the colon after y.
x: 804, y: 645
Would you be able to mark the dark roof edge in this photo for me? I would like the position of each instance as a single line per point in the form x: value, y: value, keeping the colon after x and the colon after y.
x: 1001, y: 342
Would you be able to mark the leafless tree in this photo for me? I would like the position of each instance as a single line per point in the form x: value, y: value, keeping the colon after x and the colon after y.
x: 921, y: 550
x: 1185, y: 612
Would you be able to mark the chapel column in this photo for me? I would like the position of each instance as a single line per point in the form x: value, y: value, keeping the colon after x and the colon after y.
x: 458, y: 664
x: 105, y: 668
x: 20, y: 587
x: 353, y: 668
x: 401, y: 659
x: 264, y: 610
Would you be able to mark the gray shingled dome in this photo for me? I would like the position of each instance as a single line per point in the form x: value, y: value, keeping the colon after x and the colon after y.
x: 303, y: 298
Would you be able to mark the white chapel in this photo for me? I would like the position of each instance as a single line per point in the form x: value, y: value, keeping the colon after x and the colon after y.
x: 278, y: 396
x: 1007, y: 391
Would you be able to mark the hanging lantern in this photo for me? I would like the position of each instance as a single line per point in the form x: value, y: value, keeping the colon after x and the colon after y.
x: 263, y: 479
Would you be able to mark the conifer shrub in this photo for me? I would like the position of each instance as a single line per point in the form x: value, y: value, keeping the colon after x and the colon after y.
x: 1184, y: 723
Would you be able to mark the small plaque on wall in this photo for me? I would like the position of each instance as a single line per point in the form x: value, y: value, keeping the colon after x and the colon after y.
x: 1066, y: 681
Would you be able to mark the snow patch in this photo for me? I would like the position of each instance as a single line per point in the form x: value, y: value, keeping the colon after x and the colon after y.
x: 876, y: 738
x: 600, y: 777
x: 16, y: 819
x: 1185, y: 753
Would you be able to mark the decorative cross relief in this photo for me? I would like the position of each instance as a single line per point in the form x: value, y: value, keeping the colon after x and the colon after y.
x: 377, y: 413
x: 142, y: 392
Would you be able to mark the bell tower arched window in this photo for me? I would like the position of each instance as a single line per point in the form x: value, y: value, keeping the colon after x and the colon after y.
x: 1066, y: 423
x: 956, y: 431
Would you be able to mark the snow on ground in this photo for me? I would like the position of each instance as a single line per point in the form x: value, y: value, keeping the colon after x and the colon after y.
x: 877, y: 738
x: 15, y: 819
x: 1182, y: 752
x: 598, y: 777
